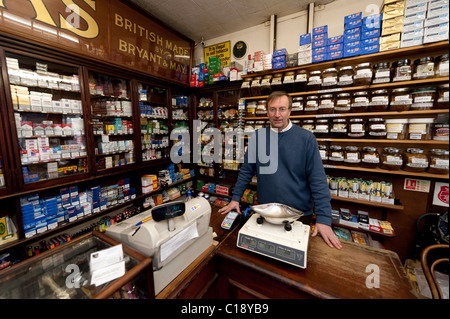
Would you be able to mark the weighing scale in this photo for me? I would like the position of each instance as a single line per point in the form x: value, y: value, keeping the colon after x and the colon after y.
x: 273, y: 231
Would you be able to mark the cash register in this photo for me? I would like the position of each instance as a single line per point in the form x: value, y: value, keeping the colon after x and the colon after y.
x: 173, y: 234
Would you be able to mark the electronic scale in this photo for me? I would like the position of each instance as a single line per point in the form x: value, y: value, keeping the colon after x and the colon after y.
x: 273, y: 231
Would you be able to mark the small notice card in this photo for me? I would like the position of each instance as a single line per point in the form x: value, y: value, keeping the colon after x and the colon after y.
x: 107, y: 265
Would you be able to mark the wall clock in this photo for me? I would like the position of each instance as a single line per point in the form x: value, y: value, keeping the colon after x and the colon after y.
x: 239, y: 49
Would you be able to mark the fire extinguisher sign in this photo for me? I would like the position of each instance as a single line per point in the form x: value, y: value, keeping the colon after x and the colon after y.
x: 440, y: 196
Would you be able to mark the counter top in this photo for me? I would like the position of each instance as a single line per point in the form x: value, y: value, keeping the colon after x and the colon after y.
x: 330, y: 273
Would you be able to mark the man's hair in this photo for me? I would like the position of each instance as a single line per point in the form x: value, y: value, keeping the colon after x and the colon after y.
x: 277, y: 94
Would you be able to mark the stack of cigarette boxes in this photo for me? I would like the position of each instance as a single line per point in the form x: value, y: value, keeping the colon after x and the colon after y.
x: 352, y: 34
x: 394, y: 16
x: 304, y: 55
x: 370, y: 33
x: 436, y: 22
x: 279, y: 59
x: 319, y: 44
x: 258, y: 64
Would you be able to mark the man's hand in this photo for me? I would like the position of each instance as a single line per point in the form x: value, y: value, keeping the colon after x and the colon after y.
x: 328, y: 235
x: 233, y: 205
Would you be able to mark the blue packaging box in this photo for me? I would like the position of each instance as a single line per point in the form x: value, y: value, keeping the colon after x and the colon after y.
x: 374, y: 48
x: 319, y: 50
x: 352, y: 38
x: 335, y: 47
x: 351, y: 45
x: 353, y: 24
x: 371, y: 41
x: 353, y: 16
x: 353, y: 31
x: 321, y: 29
x: 372, y: 22
x: 280, y: 58
x: 319, y: 36
x: 279, y: 52
x: 335, y: 40
x: 319, y: 57
x: 278, y: 65
x: 335, y: 55
x: 375, y: 33
x: 305, y: 39
x: 352, y: 52
x: 320, y: 43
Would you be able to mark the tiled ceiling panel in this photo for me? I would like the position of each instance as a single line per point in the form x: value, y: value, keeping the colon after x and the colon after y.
x: 213, y: 18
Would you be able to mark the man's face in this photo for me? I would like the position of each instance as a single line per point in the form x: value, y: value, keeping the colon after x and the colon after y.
x: 278, y: 111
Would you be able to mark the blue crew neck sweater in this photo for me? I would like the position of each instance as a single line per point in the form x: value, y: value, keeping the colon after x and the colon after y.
x: 289, y: 170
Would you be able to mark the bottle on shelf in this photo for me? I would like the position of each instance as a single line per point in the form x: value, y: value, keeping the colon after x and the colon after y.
x: 188, y: 196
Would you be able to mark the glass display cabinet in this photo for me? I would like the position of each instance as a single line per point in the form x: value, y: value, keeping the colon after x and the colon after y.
x: 112, y: 121
x: 64, y: 273
x: 154, y: 120
x: 48, y: 118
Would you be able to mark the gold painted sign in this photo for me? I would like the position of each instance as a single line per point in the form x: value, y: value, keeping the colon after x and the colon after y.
x: 222, y: 50
x: 109, y: 30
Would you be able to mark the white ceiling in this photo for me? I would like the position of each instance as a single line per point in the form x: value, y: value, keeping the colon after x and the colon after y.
x: 213, y: 18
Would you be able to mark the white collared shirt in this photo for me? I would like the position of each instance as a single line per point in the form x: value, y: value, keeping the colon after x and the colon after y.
x: 284, y: 130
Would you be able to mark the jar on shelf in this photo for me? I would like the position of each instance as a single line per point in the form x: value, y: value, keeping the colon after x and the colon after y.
x: 329, y: 78
x: 323, y: 151
x: 326, y: 104
x: 391, y: 159
x: 256, y: 86
x: 297, y: 105
x: 442, y: 97
x: 245, y: 88
x: 376, y: 128
x: 415, y: 160
x: 311, y: 105
x: 322, y: 128
x: 288, y: 81
x: 382, y: 73
x: 277, y: 82
x: 352, y: 156
x: 396, y: 129
x: 441, y: 132
x: 251, y: 108
x: 265, y: 84
x: 423, y: 68
x: 249, y: 126
x: 402, y: 70
x: 259, y: 124
x: 363, y: 74
x: 438, y: 159
x: 343, y: 103
x: 442, y: 65
x: 420, y: 128
x: 301, y: 78
x: 335, y: 155
x: 360, y: 102
x: 315, y: 81
x: 309, y: 125
x: 356, y: 128
x: 400, y: 99
x: 379, y: 101
x: 339, y: 128
x: 345, y: 76
x: 261, y: 108
x: 370, y: 158
x: 423, y: 98
x: 296, y: 122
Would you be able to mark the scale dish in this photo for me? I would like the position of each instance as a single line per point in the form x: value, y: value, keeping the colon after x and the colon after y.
x: 276, y: 213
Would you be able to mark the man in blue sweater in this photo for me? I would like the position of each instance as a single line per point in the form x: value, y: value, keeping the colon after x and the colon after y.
x: 288, y: 167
